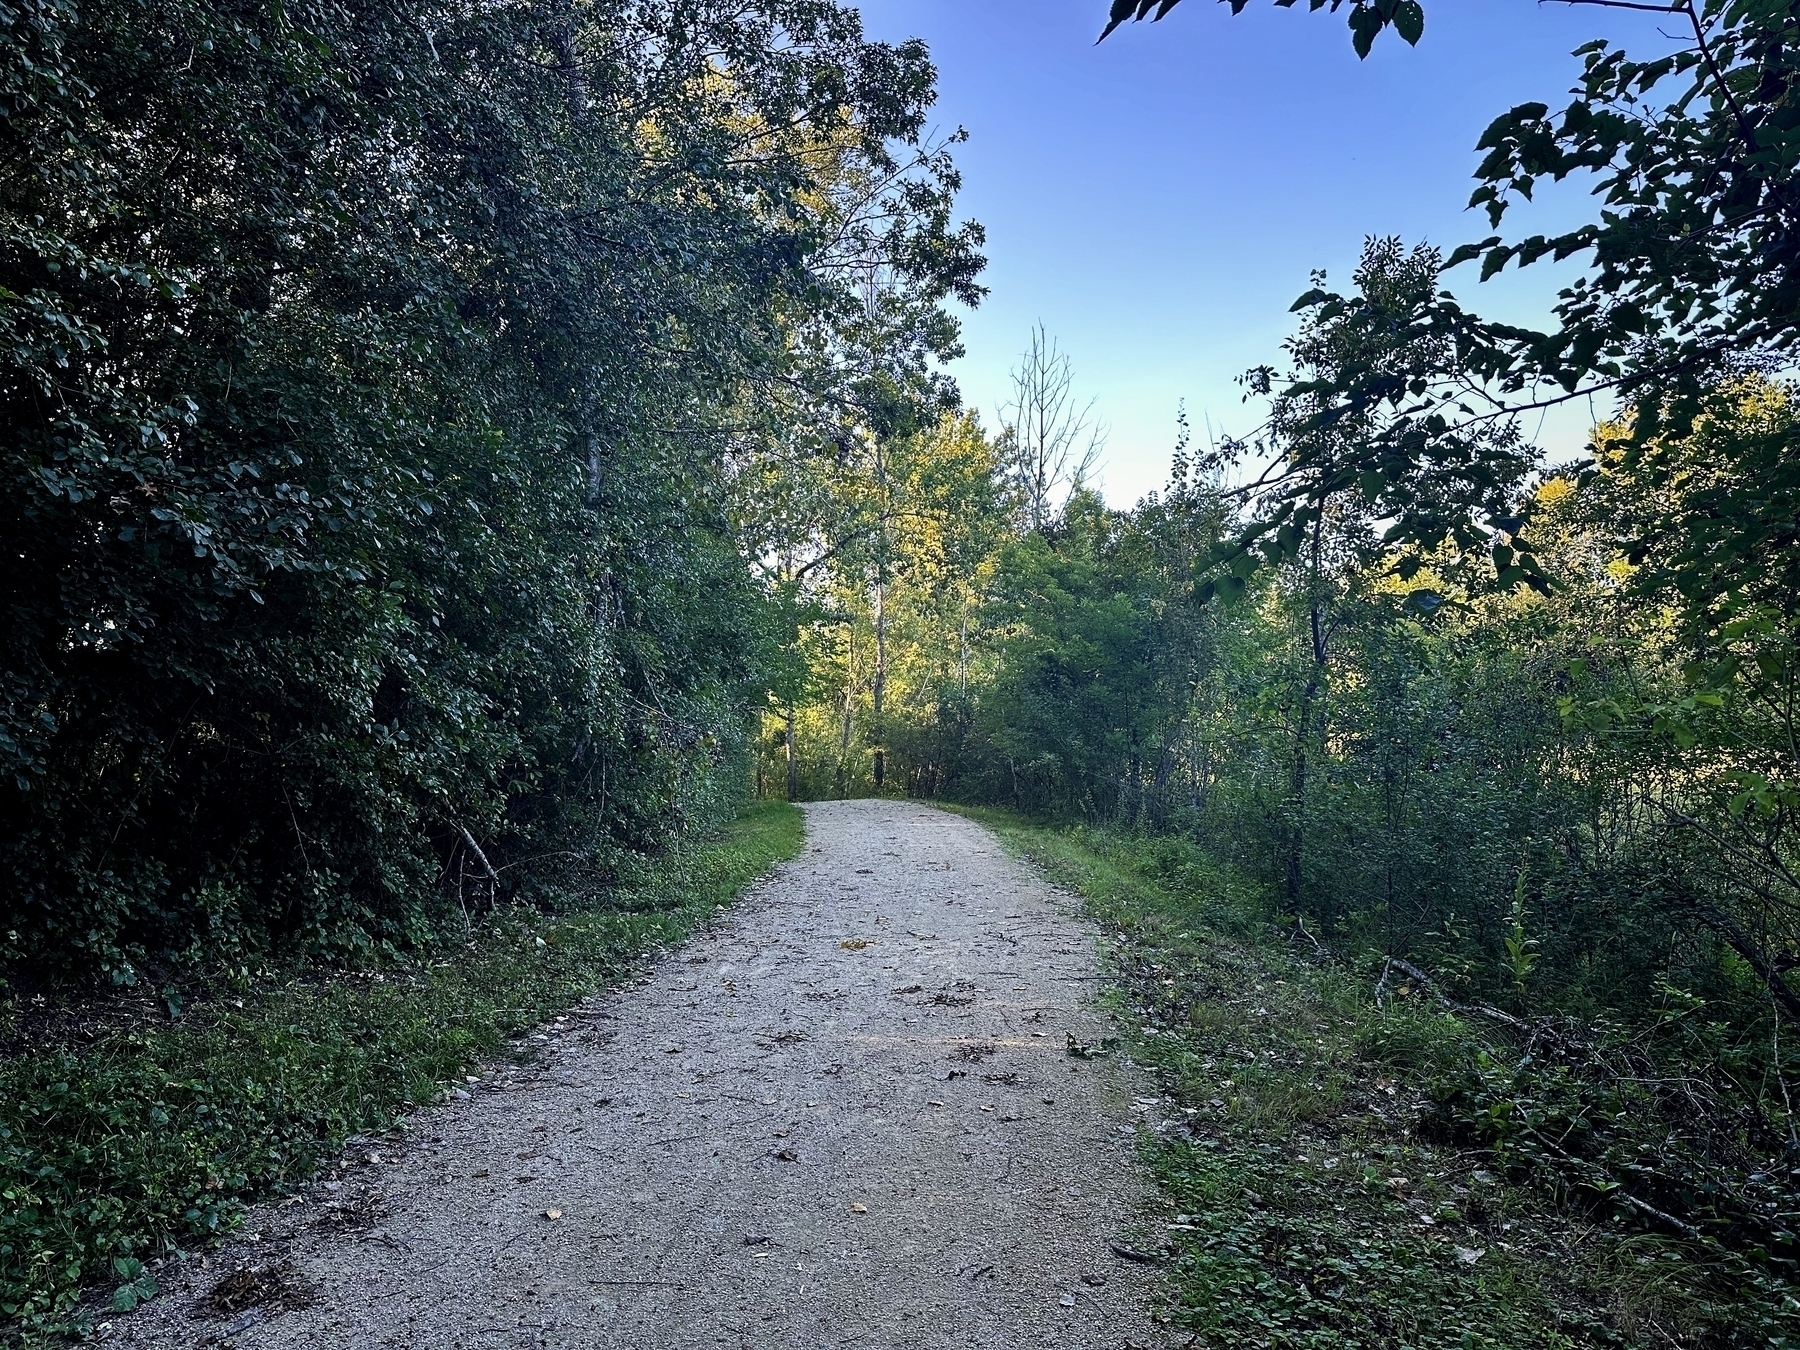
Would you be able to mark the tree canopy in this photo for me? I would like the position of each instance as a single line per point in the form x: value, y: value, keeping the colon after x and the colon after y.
x: 369, y: 377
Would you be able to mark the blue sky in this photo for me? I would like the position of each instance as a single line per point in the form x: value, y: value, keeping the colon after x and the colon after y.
x: 1158, y: 201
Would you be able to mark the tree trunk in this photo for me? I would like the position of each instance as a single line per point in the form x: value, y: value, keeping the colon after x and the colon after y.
x: 962, y: 655
x: 879, y: 686
x: 1297, y: 793
x: 793, y: 764
x: 1321, y: 638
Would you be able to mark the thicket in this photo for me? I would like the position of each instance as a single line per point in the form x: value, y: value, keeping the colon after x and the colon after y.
x: 373, y: 380
x: 1311, y: 1194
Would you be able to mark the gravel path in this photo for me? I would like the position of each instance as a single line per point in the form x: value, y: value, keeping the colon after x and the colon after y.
x: 845, y: 1116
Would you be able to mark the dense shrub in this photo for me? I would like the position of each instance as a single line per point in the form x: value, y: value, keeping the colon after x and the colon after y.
x: 368, y: 374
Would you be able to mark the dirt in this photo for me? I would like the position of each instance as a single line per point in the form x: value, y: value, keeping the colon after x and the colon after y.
x: 846, y: 1115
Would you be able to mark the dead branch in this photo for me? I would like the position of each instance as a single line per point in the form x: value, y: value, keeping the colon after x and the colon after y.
x: 1432, y: 987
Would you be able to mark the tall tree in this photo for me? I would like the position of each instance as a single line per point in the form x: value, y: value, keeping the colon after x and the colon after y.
x: 1050, y: 442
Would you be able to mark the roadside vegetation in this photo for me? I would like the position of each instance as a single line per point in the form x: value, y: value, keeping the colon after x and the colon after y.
x: 131, y: 1131
x: 1342, y: 1167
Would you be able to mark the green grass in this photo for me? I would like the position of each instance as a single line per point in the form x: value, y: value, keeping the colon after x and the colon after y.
x: 155, y: 1139
x: 1311, y: 1193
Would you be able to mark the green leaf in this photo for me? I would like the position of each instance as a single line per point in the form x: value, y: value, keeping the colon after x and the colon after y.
x: 1409, y: 21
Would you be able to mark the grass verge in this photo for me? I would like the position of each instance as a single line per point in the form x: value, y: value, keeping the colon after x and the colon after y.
x: 157, y: 1138
x: 1316, y: 1189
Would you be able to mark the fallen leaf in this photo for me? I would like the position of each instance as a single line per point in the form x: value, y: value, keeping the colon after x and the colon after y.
x: 854, y: 944
x: 268, y: 1289
x: 553, y: 1214
x: 786, y: 1155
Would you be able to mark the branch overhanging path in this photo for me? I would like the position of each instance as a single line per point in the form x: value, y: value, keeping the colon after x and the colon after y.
x: 844, y: 1116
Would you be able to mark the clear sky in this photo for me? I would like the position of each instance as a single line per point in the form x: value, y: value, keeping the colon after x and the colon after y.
x: 1159, y: 201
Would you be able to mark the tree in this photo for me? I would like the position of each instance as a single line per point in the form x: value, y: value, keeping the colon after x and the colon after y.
x: 373, y: 380
x: 1695, y: 270
x: 1049, y: 444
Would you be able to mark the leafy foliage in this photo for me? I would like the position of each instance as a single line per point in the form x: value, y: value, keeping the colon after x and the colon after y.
x: 1368, y: 18
x: 367, y: 375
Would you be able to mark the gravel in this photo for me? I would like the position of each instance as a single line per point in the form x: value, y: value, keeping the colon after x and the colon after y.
x: 844, y: 1116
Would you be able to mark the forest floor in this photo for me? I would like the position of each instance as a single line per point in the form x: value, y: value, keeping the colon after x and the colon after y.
x: 872, y: 1105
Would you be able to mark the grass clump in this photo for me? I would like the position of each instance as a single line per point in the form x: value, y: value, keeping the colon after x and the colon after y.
x: 1338, y: 1173
x: 155, y: 1137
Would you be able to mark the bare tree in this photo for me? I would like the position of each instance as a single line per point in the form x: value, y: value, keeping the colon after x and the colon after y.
x: 1048, y: 445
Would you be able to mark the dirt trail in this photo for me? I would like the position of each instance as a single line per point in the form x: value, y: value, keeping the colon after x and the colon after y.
x: 845, y: 1116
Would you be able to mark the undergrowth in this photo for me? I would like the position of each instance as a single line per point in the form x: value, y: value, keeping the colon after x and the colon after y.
x: 156, y: 1137
x: 1338, y: 1173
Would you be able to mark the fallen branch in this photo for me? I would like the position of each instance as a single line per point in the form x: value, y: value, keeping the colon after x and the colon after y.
x: 1132, y: 1254
x: 1610, y: 1188
x: 1432, y: 987
x: 475, y: 848
x: 493, y: 877
x: 1305, y: 932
